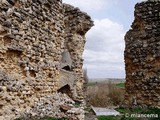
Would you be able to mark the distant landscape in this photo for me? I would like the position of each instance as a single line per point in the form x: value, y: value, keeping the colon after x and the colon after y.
x: 105, y: 92
x: 107, y: 79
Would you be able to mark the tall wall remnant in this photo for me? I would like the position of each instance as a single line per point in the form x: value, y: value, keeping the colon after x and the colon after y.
x: 41, y: 46
x: 142, y: 56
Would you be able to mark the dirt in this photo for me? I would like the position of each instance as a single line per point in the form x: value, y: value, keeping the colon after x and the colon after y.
x: 90, y: 116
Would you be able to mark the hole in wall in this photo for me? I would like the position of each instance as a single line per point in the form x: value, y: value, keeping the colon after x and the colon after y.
x: 63, y: 110
x: 32, y: 73
x: 50, y: 75
x: 67, y: 68
x: 67, y: 90
x: 11, y: 2
x: 11, y: 53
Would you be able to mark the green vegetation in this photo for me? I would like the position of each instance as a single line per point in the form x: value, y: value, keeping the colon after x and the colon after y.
x: 127, y: 112
x: 88, y: 109
x: 108, y: 118
x: 104, y: 94
x: 152, y: 111
x: 122, y: 110
x: 18, y: 119
x: 115, y: 94
x: 77, y: 104
x: 120, y: 85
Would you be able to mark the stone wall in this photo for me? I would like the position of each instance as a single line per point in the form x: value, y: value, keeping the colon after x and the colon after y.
x: 41, y: 46
x: 75, y: 41
x: 142, y: 56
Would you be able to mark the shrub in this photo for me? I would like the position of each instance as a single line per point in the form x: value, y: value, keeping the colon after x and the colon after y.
x: 115, y: 94
x: 105, y: 94
x: 121, y: 85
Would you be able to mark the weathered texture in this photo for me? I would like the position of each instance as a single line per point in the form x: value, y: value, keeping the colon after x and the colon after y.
x: 37, y: 77
x: 142, y: 56
x: 75, y: 40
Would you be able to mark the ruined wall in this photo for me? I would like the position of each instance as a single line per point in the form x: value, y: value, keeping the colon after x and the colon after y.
x: 142, y: 56
x: 75, y: 41
x: 35, y: 35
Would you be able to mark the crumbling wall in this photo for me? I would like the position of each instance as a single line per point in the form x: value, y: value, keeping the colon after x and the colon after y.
x: 75, y: 41
x: 33, y: 38
x: 142, y: 56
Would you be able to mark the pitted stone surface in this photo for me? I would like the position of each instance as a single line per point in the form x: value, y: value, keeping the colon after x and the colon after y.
x: 34, y: 34
x: 142, y: 56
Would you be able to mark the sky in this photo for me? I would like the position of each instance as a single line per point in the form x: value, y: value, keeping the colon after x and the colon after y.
x: 104, y: 50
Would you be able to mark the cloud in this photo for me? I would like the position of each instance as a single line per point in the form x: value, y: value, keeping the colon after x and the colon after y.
x: 88, y: 5
x: 103, y: 55
x: 104, y: 49
x: 105, y: 32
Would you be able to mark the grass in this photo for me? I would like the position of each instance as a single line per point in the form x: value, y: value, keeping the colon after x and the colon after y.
x: 104, y: 94
x: 120, y: 85
x: 123, y: 111
x: 77, y: 104
x: 108, y: 118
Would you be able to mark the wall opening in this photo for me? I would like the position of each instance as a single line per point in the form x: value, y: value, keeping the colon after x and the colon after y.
x: 66, y: 68
x: 67, y: 90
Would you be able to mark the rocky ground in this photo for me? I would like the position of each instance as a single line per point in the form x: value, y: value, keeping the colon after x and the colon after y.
x: 90, y: 116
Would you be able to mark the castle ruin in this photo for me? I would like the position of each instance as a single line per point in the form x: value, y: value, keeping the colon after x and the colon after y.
x: 142, y: 56
x: 41, y: 46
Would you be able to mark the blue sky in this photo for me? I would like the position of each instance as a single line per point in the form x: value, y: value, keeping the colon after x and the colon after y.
x: 103, y: 55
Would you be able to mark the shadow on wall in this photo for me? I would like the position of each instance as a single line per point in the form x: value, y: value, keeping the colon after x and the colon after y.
x: 67, y: 90
x: 66, y: 62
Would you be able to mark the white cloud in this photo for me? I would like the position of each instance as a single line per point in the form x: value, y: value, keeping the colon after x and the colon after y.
x: 88, y: 5
x: 104, y: 49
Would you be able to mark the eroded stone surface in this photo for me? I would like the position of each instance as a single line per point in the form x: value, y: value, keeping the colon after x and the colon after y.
x: 34, y: 34
x: 142, y: 56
